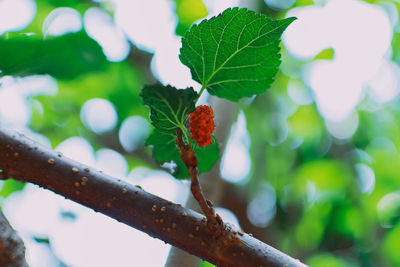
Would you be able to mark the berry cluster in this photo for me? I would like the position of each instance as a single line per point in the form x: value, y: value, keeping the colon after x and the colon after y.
x: 202, y: 125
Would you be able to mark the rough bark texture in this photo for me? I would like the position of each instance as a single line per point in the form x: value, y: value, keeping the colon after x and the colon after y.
x: 12, y: 249
x: 25, y: 160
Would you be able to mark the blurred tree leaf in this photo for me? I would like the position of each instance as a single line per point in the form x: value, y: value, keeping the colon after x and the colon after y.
x: 122, y: 85
x: 326, y: 259
x: 311, y: 228
x: 328, y: 179
x: 391, y: 246
x: 350, y: 221
x: 388, y: 209
x: 10, y: 186
x: 396, y: 45
x: 206, y: 264
x: 304, y: 3
x: 169, y: 107
x: 385, y: 162
x: 63, y: 3
x: 306, y: 123
x: 165, y: 150
x: 62, y: 57
x: 235, y: 54
x: 327, y: 54
x: 188, y: 11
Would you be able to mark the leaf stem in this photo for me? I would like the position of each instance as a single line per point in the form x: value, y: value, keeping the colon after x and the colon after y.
x: 201, y: 91
x: 186, y: 133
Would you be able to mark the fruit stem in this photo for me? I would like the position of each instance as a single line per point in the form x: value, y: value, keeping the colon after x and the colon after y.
x: 189, y: 158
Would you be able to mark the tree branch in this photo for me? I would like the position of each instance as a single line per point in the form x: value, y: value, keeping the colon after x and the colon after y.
x: 12, y: 249
x: 25, y: 160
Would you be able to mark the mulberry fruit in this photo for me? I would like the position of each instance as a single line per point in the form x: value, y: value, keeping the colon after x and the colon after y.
x: 202, y: 125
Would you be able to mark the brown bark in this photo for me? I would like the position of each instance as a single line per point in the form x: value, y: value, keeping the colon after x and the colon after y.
x: 12, y: 249
x: 25, y: 160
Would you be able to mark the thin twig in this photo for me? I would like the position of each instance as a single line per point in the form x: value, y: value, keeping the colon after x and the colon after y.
x: 190, y: 160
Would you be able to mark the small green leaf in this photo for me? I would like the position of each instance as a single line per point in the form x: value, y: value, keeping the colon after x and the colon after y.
x: 165, y: 150
x: 235, y: 54
x: 164, y: 146
x: 169, y: 107
x: 62, y: 57
x: 207, y: 156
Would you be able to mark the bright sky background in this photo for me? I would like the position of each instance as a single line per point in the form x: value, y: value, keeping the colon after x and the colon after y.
x: 361, y: 68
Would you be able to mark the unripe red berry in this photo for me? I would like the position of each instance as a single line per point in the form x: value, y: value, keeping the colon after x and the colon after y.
x: 202, y: 125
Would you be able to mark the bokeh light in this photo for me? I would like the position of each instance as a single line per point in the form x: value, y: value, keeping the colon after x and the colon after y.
x: 100, y: 26
x: 9, y: 21
x: 61, y: 21
x: 236, y: 163
x: 359, y: 47
x: 99, y: 115
x: 133, y: 132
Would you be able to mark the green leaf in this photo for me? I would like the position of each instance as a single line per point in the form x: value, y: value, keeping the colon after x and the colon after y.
x: 169, y: 107
x: 169, y: 110
x: 235, y: 54
x: 165, y: 150
x: 164, y: 146
x: 207, y: 156
x: 62, y: 57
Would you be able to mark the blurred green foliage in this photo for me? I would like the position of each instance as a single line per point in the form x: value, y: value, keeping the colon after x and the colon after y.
x: 23, y: 55
x: 188, y: 11
x: 120, y: 83
x: 10, y: 186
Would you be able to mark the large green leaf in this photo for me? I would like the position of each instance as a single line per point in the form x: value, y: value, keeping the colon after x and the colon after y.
x: 62, y: 57
x: 235, y: 54
x: 165, y: 150
x: 169, y: 107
